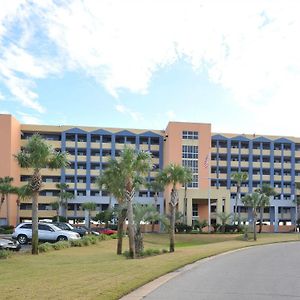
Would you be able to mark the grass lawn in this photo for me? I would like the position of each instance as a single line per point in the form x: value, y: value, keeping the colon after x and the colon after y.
x: 96, y: 272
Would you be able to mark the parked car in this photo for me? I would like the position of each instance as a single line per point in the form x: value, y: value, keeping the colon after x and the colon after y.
x: 66, y: 226
x: 106, y: 231
x: 83, y: 227
x: 9, y: 245
x: 47, y: 232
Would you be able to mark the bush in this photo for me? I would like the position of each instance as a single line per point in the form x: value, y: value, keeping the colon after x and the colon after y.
x: 164, y: 251
x: 146, y: 253
x: 4, y: 254
x: 46, y: 247
x: 6, y: 229
x: 76, y: 243
x: 92, y: 239
x: 103, y: 237
x: 61, y: 245
x: 181, y: 227
x: 114, y: 236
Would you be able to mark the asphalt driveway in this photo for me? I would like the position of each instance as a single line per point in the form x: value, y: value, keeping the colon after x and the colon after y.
x: 263, y: 272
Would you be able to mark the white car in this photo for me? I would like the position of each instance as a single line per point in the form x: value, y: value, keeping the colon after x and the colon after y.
x: 47, y: 232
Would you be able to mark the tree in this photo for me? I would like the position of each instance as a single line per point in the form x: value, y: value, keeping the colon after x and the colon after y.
x: 89, y: 206
x: 113, y: 181
x: 37, y: 154
x: 55, y: 206
x: 133, y: 166
x: 224, y: 217
x: 172, y: 175
x: 23, y: 193
x: 254, y: 201
x: 142, y: 213
x: 5, y: 189
x: 239, y: 178
x: 268, y: 191
x: 156, y: 187
x: 63, y: 197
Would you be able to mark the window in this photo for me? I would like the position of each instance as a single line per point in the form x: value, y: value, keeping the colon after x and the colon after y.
x: 195, y: 210
x: 190, y: 151
x: 44, y: 227
x: 27, y: 226
x: 190, y: 135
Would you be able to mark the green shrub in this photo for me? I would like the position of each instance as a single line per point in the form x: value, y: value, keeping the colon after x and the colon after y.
x: 181, y: 228
x: 150, y: 252
x: 76, y: 243
x: 114, y: 236
x: 46, y: 247
x: 5, y: 254
x: 113, y: 226
x: 164, y: 251
x: 61, y: 245
x: 126, y: 254
x: 85, y: 241
x: 92, y: 239
x: 103, y: 237
x: 6, y: 229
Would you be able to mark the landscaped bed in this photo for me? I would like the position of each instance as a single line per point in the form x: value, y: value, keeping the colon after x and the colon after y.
x: 96, y: 272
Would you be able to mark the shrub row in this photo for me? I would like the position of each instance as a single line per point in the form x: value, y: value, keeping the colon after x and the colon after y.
x: 6, y: 229
x: 4, y: 254
x: 147, y: 252
x: 85, y: 241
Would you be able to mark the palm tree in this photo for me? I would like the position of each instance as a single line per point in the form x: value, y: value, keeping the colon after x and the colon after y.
x: 133, y: 165
x: 224, y: 217
x: 172, y: 175
x: 268, y: 191
x: 239, y: 178
x: 55, y: 206
x: 64, y: 197
x: 37, y: 154
x: 156, y: 187
x: 89, y: 206
x: 5, y: 189
x: 23, y: 193
x: 113, y: 181
x: 254, y: 201
x: 142, y: 213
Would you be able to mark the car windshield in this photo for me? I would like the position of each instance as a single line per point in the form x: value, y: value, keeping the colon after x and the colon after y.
x: 56, y: 228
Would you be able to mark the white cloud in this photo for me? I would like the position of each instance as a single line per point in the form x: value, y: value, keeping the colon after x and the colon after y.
x: 28, y: 119
x: 136, y: 116
x: 249, y: 48
x: 1, y: 96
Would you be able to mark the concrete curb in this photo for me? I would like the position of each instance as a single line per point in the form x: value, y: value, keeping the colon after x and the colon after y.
x: 149, y: 287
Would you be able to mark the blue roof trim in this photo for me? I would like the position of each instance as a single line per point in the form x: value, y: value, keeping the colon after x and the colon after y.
x: 101, y: 132
x: 219, y: 137
x: 283, y: 140
x: 262, y: 140
x: 125, y: 133
x: 150, y: 134
x: 75, y: 130
x: 240, y: 138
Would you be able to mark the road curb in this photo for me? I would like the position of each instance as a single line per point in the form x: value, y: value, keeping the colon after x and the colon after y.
x: 149, y: 287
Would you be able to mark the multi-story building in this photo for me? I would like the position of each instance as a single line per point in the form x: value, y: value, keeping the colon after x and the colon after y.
x: 212, y: 157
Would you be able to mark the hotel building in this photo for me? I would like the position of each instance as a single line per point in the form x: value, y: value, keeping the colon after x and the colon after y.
x: 212, y: 157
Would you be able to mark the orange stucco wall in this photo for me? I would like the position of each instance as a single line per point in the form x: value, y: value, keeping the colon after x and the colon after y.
x: 9, y: 145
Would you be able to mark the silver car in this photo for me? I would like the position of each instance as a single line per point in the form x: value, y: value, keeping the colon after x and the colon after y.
x: 47, y: 232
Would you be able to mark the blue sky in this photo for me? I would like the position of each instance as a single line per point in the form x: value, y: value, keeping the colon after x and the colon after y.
x: 140, y: 64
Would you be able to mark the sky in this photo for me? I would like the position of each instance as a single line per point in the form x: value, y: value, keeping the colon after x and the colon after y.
x: 140, y: 64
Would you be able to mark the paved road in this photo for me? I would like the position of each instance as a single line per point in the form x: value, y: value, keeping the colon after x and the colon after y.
x: 263, y: 272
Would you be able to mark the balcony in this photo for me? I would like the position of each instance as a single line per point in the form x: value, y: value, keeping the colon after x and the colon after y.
x: 234, y: 150
x: 41, y: 213
x: 154, y: 148
x: 256, y: 164
x: 70, y: 144
x: 44, y: 172
x: 277, y: 152
x: 266, y: 165
x: 81, y: 186
x: 81, y: 172
x: 244, y: 164
x: 95, y: 172
x: 244, y: 151
x: 234, y: 164
x: 266, y: 152
x: 144, y: 147
x: 95, y: 159
x: 287, y: 166
x: 256, y: 151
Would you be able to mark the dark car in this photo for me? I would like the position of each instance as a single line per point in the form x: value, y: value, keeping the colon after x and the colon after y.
x: 83, y: 227
x: 66, y: 226
x: 9, y: 245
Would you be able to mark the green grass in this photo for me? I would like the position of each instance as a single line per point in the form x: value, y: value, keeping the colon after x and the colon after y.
x: 96, y: 272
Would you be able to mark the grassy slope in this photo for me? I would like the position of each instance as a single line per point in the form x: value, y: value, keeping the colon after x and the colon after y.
x: 95, y: 272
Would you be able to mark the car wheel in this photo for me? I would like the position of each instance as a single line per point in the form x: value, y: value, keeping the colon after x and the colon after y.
x: 62, y: 238
x: 22, y: 239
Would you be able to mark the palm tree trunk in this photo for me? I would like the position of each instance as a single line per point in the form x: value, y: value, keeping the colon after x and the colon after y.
x: 260, y: 219
x: 172, y: 229
x: 172, y: 220
x: 155, y: 205
x: 236, y: 201
x: 7, y: 210
x: 254, y: 225
x: 121, y: 219
x: 89, y: 219
x: 139, y: 243
x: 130, y: 195
x: 18, y: 212
x: 35, y: 233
